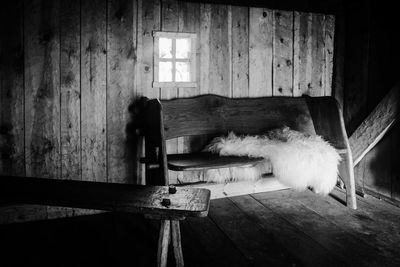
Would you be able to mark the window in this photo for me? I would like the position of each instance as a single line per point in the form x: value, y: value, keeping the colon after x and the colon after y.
x: 174, y: 59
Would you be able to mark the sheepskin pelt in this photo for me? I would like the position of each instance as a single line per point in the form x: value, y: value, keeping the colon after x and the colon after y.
x: 298, y: 160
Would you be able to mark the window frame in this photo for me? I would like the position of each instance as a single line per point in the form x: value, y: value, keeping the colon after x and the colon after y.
x: 174, y: 35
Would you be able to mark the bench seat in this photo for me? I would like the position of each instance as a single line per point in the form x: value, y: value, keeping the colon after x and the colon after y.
x: 199, y: 161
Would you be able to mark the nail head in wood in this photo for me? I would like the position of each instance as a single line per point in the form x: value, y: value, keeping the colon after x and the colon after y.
x: 166, y: 202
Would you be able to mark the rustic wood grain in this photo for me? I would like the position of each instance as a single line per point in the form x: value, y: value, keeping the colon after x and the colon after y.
x: 346, y: 245
x: 329, y: 54
x: 219, y: 69
x: 205, y: 47
x: 164, y: 239
x: 283, y: 53
x: 42, y: 93
x: 149, y: 21
x: 248, y: 237
x: 240, y: 51
x: 199, y: 161
x: 303, y: 247
x: 189, y: 21
x: 120, y: 92
x: 362, y: 223
x: 317, y: 55
x: 170, y: 22
x: 70, y: 75
x: 12, y: 154
x: 302, y: 49
x: 220, y: 114
x: 260, y: 52
x: 374, y: 127
x: 176, y: 243
x: 192, y: 202
x: 42, y: 88
x: 211, y: 239
x: 93, y: 90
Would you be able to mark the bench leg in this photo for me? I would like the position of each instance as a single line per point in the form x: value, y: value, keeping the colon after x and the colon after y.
x: 163, y: 242
x: 176, y: 242
x: 346, y: 172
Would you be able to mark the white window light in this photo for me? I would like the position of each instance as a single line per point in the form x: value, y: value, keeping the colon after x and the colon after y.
x: 174, y: 59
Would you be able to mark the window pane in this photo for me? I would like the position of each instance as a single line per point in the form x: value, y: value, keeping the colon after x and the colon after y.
x: 165, y: 71
x: 182, y: 72
x: 165, y: 47
x: 183, y: 48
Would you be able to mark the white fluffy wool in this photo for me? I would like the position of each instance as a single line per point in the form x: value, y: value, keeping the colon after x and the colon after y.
x: 298, y: 160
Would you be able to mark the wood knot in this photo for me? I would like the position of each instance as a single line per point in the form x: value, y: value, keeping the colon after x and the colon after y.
x: 264, y: 14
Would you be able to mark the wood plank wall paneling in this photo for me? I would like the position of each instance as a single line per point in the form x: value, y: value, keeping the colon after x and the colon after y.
x: 120, y: 87
x: 12, y: 156
x: 313, y: 54
x: 70, y: 89
x: 260, y: 52
x: 189, y: 21
x: 282, y: 53
x: 42, y: 88
x: 72, y: 70
x: 170, y: 23
x: 93, y: 90
x: 240, y: 51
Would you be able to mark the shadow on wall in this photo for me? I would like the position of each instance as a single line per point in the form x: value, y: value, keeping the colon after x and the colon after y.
x: 134, y: 142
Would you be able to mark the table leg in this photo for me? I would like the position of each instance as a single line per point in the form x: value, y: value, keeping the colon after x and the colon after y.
x: 176, y: 242
x: 163, y: 242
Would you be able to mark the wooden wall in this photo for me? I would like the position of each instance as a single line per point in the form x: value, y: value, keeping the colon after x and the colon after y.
x: 71, y: 71
x: 371, y: 58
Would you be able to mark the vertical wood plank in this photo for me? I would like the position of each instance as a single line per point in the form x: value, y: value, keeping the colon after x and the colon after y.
x: 42, y: 88
x: 283, y: 53
x: 149, y: 12
x: 260, y: 52
x: 93, y: 90
x: 339, y: 59
x: 205, y: 49
x: 149, y: 21
x: 317, y: 54
x: 240, y: 51
x: 189, y: 21
x: 220, y: 58
x: 120, y: 86
x: 12, y: 156
x: 329, y: 53
x: 42, y: 93
x: 70, y: 89
x: 302, y: 49
x: 12, y: 128
x: 169, y: 22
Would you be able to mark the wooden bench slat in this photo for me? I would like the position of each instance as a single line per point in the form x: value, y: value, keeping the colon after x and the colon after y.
x: 186, y: 202
x: 201, y: 161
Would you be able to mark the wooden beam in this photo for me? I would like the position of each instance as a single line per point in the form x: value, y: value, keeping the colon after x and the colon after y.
x: 374, y: 127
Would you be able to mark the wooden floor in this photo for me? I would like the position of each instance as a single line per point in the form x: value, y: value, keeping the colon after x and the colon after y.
x: 282, y: 228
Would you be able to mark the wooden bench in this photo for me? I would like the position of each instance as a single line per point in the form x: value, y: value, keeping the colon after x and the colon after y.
x: 168, y: 204
x: 215, y: 115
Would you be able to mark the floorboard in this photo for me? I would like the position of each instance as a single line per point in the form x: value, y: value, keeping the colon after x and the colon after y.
x: 282, y: 228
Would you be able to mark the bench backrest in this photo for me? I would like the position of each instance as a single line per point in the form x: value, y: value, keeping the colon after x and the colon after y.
x: 217, y: 115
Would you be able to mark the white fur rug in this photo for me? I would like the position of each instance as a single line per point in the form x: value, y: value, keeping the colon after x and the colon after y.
x: 298, y: 160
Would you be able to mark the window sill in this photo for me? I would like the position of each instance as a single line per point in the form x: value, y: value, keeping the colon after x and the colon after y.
x: 174, y: 84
